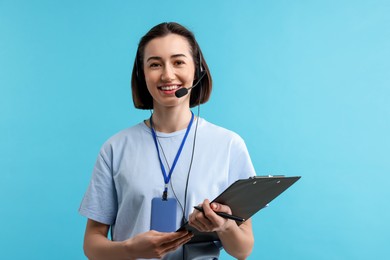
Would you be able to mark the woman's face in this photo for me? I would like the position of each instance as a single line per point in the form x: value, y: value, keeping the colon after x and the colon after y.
x: 168, y: 66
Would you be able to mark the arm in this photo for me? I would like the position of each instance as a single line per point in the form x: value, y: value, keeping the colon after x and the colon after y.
x: 151, y: 244
x: 237, y: 240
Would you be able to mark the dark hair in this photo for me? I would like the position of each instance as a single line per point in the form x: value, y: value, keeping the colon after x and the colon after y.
x: 141, y: 96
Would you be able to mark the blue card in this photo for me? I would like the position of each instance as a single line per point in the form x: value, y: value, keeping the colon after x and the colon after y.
x: 163, y: 215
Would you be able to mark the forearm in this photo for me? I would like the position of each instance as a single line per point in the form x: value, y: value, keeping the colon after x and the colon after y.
x: 98, y: 247
x: 237, y: 240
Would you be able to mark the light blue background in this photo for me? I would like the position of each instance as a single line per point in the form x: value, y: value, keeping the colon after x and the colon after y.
x: 305, y: 83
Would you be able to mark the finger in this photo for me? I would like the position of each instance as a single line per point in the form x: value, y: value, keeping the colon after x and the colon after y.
x: 193, y: 222
x: 168, y: 237
x: 216, y: 207
x: 163, y: 237
x: 202, y: 223
x: 173, y: 245
x: 209, y: 212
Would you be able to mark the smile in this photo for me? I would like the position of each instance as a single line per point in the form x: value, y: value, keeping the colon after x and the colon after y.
x: 169, y: 88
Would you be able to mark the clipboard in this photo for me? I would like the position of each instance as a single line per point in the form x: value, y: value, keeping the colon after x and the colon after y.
x: 246, y: 197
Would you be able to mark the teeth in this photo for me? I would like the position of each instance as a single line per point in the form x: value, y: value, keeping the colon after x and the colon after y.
x: 169, y: 87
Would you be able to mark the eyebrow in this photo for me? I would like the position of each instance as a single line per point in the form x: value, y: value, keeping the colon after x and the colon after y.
x: 159, y: 58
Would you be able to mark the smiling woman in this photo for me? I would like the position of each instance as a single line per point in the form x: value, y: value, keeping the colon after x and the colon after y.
x: 141, y: 97
x: 147, y: 178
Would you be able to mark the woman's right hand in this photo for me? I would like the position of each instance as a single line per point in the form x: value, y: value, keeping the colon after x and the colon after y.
x: 154, y: 244
x: 151, y: 244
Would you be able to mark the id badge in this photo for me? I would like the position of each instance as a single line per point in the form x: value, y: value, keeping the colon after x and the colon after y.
x: 163, y: 215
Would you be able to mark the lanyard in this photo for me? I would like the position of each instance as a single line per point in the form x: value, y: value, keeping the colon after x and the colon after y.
x: 166, y: 177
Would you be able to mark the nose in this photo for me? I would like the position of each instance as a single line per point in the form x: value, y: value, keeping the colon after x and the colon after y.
x: 168, y: 73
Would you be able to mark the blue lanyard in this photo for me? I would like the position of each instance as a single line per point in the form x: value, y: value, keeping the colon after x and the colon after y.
x: 166, y: 177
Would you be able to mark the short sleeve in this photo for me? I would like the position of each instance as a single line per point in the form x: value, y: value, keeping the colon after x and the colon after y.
x: 241, y: 166
x: 100, y: 200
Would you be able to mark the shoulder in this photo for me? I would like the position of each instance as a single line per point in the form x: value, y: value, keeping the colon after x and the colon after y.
x: 218, y: 133
x: 131, y: 135
x: 213, y: 129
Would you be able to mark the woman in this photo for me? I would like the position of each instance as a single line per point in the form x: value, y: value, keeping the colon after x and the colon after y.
x: 147, y: 178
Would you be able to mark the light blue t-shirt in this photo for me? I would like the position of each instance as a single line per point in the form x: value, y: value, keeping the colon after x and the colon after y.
x: 127, y: 175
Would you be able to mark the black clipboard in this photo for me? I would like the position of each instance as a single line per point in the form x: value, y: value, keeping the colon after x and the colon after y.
x: 246, y: 197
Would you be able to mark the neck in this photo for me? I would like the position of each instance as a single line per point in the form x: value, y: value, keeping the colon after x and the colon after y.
x: 171, y: 121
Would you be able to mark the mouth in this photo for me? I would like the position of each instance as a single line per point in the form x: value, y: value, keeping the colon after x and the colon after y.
x: 169, y: 89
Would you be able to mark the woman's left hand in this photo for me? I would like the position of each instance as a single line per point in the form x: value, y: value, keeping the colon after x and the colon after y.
x: 208, y: 220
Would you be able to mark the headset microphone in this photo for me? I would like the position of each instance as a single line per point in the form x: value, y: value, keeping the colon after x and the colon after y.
x: 184, y: 91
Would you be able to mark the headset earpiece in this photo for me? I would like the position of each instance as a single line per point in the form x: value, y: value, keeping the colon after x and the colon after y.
x: 136, y: 65
x: 199, y: 68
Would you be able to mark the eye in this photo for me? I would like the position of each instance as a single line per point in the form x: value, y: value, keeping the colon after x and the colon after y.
x: 154, y: 65
x: 179, y: 62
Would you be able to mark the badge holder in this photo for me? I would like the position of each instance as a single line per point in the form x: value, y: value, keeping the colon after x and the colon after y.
x: 163, y: 215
